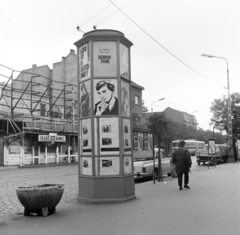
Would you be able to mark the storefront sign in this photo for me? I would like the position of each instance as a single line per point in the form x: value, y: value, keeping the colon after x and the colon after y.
x: 48, y: 138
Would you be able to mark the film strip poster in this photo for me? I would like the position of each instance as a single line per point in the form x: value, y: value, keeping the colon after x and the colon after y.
x: 86, y: 137
x: 109, y: 136
x: 127, y: 165
x: 126, y: 136
x: 124, y: 61
x: 109, y: 166
x: 105, y: 59
x: 125, y: 103
x: 84, y: 60
x: 86, y: 166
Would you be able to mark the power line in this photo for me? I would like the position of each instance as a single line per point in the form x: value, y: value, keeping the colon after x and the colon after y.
x: 96, y: 14
x: 162, y: 45
x: 113, y: 13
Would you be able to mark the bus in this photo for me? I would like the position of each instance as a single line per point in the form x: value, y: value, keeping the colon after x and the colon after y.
x: 191, y: 144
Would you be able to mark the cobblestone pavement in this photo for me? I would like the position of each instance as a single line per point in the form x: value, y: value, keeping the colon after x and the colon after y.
x: 12, y: 178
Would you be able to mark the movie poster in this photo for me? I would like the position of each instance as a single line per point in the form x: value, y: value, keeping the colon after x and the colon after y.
x: 127, y: 165
x: 109, y: 135
x: 105, y: 59
x: 85, y: 99
x: 84, y: 60
x: 105, y: 97
x: 150, y: 141
x: 135, y: 140
x: 125, y: 102
x: 109, y: 166
x: 86, y: 166
x: 124, y: 61
x: 86, y: 137
x: 127, y: 146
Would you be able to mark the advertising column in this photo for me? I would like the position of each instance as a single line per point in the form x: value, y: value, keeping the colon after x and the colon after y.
x: 105, y: 133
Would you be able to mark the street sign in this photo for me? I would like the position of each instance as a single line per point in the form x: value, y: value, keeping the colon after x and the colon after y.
x: 52, y: 139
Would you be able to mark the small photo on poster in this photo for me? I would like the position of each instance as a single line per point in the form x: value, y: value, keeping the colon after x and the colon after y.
x: 85, y: 143
x: 106, y: 129
x: 106, y: 163
x: 126, y: 142
x: 127, y: 165
x: 126, y: 129
x: 85, y: 130
x: 109, y: 166
x: 106, y: 141
x: 86, y: 167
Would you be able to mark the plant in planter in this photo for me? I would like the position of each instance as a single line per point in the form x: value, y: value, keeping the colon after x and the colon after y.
x: 40, y: 199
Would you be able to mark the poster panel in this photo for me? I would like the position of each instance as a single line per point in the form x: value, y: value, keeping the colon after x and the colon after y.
x: 86, y: 137
x: 127, y: 165
x: 109, y: 135
x: 85, y: 99
x: 86, y: 166
x: 109, y: 166
x: 125, y: 102
x: 105, y: 59
x: 105, y: 97
x: 127, y: 146
x: 124, y: 61
x: 84, y: 60
x: 142, y: 145
x: 211, y: 146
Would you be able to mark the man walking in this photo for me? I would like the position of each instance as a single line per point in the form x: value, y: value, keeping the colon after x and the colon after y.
x: 182, y: 161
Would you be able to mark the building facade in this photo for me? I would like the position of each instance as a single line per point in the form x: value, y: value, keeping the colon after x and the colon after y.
x: 39, y: 114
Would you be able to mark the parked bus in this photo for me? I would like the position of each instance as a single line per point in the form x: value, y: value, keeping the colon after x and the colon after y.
x: 192, y: 145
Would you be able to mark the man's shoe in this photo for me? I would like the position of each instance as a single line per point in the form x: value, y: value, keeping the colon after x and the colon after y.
x: 186, y: 186
x: 180, y: 188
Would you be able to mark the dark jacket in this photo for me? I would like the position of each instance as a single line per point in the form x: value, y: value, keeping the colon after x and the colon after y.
x: 182, y: 160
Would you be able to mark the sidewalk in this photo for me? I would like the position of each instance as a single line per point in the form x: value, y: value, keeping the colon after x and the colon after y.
x: 210, y: 207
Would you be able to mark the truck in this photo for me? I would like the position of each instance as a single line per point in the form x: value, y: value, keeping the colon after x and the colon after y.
x: 221, y: 155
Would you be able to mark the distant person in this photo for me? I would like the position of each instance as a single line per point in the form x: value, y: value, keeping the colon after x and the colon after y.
x: 182, y: 161
x: 108, y: 104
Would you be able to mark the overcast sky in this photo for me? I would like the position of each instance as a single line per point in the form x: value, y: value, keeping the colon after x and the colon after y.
x: 169, y: 37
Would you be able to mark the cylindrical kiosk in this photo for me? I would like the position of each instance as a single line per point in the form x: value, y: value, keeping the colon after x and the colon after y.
x: 105, y: 129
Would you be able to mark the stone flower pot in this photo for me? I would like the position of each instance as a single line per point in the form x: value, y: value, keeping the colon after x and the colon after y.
x: 40, y: 199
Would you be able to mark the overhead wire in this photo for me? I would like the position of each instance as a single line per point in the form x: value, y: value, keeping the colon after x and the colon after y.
x: 163, y: 46
x: 113, y: 13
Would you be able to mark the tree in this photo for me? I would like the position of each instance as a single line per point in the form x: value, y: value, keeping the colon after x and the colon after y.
x: 144, y: 108
x: 219, y: 108
x: 158, y: 125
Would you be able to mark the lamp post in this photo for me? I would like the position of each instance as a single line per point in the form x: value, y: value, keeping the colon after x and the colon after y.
x: 230, y: 136
x: 154, y: 102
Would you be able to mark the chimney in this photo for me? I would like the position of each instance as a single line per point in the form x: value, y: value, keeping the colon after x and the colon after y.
x: 34, y: 66
x: 72, y: 51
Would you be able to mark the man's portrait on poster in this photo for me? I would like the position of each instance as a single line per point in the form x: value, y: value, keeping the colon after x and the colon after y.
x: 108, y: 104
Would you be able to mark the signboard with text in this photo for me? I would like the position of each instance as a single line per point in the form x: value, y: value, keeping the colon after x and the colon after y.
x: 48, y: 138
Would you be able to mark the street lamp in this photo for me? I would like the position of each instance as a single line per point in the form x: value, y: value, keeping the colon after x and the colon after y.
x: 230, y: 137
x: 156, y: 101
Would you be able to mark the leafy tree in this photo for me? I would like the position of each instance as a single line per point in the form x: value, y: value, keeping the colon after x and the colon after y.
x: 158, y: 125
x: 219, y: 109
x: 144, y: 107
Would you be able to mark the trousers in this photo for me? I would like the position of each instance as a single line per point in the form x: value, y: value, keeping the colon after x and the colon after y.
x: 180, y: 178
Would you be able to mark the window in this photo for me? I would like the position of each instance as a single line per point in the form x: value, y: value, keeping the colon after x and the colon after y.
x: 136, y: 100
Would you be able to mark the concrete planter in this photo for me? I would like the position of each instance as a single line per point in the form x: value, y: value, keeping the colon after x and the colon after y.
x: 40, y: 199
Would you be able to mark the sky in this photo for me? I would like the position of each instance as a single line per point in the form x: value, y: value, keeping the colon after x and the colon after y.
x: 168, y: 39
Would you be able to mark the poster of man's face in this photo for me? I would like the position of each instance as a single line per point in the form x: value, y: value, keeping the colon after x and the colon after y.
x: 105, y: 97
